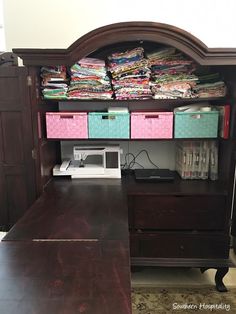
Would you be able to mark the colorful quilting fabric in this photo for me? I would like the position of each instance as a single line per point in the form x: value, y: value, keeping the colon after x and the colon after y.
x: 89, y: 80
x: 130, y: 74
x: 171, y: 74
x: 54, y: 82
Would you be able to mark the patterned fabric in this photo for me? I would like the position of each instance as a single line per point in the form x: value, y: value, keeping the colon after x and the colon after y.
x: 54, y: 82
x: 130, y: 74
x: 89, y: 80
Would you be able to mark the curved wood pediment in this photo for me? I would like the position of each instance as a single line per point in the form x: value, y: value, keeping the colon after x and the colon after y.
x: 130, y: 32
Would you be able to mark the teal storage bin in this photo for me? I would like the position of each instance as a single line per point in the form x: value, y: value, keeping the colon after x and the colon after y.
x: 108, y: 125
x: 196, y: 124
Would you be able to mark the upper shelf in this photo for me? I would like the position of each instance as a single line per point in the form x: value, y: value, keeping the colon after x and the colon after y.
x: 130, y: 32
x: 149, y: 104
x: 164, y: 100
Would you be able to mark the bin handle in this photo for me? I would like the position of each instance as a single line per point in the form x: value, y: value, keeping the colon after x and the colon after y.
x: 196, y: 116
x: 108, y: 117
x: 153, y: 116
x: 66, y: 117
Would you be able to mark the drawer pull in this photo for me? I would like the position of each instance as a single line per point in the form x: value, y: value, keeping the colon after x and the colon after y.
x: 181, y: 247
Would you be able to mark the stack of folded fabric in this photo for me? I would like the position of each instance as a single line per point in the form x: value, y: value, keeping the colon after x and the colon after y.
x: 171, y: 74
x: 210, y: 85
x: 54, y: 82
x: 130, y: 74
x: 89, y: 80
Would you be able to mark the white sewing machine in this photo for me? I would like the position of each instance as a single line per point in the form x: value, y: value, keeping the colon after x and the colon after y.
x: 91, y: 162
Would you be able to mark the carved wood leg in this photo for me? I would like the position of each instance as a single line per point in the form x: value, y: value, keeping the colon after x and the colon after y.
x: 220, y: 273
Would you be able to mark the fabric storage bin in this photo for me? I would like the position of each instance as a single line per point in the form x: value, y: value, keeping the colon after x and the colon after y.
x: 67, y: 125
x: 196, y: 124
x: 108, y: 125
x: 151, y: 124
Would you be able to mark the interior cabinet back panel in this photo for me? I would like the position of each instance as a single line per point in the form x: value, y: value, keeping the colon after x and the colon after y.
x: 12, y: 137
x: 179, y: 212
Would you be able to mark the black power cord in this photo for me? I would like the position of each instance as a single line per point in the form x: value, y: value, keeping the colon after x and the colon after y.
x: 129, y: 165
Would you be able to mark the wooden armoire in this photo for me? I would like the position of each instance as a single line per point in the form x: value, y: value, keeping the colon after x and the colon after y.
x: 193, y: 218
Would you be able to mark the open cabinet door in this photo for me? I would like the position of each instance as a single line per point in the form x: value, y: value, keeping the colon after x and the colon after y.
x: 233, y: 226
x: 17, y: 168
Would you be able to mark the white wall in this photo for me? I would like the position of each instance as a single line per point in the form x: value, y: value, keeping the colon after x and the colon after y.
x: 58, y: 23
x: 2, y: 34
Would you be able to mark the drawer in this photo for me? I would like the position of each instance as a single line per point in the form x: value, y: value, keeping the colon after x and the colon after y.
x: 179, y: 245
x: 179, y: 212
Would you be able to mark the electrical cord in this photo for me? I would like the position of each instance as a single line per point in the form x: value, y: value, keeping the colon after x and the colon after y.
x: 130, y: 165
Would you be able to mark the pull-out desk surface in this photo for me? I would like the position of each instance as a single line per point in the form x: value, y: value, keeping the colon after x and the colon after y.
x: 69, y: 253
x: 76, y: 209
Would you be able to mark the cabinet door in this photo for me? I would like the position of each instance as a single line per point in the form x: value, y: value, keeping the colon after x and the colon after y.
x: 17, y: 171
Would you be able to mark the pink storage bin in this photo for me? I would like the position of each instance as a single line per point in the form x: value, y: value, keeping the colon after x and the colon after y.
x: 67, y: 125
x: 151, y: 124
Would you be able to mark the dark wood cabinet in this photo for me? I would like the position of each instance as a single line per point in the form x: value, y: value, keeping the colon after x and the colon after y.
x: 185, y: 223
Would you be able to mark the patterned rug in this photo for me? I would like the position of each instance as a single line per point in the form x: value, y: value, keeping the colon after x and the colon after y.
x: 202, y: 300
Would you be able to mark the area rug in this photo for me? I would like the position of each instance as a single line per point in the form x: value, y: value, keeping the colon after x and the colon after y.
x: 204, y: 300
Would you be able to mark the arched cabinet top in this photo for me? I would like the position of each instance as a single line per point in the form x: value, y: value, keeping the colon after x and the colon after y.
x: 130, y: 32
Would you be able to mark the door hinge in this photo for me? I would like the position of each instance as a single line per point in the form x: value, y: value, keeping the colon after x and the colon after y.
x: 29, y: 80
x: 34, y: 153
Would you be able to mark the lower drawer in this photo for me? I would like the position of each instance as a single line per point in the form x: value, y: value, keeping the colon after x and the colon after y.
x: 179, y: 212
x: 179, y: 245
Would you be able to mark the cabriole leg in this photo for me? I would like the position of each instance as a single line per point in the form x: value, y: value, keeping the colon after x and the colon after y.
x: 220, y: 273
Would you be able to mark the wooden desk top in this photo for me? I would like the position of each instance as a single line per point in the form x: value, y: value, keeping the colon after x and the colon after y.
x: 64, y: 278
x: 69, y: 253
x: 96, y: 208
x: 76, y: 209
